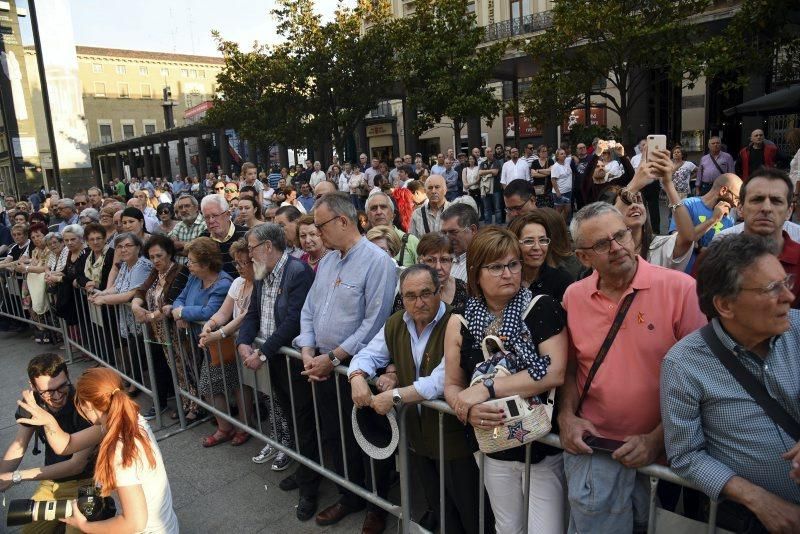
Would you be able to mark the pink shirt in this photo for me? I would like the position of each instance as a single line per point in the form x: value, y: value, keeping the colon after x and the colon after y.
x: 624, y: 397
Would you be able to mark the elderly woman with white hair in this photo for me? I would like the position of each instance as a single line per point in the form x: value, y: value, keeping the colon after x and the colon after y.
x: 89, y: 215
x: 64, y: 277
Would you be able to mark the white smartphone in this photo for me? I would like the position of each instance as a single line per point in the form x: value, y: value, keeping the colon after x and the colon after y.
x: 656, y: 142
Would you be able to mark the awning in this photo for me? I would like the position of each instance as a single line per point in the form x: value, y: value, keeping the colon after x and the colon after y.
x: 782, y: 101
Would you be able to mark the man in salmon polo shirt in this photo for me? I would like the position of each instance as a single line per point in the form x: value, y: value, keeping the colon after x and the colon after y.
x: 652, y: 309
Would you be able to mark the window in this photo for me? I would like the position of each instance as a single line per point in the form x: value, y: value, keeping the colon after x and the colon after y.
x: 201, y: 73
x: 185, y: 73
x: 149, y: 127
x: 128, y: 131
x: 147, y: 92
x: 121, y: 69
x: 192, y: 73
x: 100, y: 89
x: 124, y: 92
x: 105, y: 133
x: 164, y: 72
x: 520, y: 8
x: 97, y: 68
x: 142, y: 71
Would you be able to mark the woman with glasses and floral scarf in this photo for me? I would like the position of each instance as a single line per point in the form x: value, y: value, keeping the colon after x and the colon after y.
x: 535, y: 356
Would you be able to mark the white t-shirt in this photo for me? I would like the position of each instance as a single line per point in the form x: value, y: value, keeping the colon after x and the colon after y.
x: 563, y: 176
x: 161, y: 518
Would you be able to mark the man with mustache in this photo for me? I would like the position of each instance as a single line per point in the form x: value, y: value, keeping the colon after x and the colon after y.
x: 633, y: 312
x: 280, y: 289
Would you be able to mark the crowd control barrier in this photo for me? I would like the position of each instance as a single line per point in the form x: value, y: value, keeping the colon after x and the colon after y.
x: 246, y: 399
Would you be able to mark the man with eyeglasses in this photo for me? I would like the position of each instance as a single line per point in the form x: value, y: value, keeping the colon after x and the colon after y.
x: 519, y: 200
x: 349, y: 302
x: 191, y: 225
x: 380, y: 212
x: 622, y: 320
x: 81, y: 202
x: 220, y: 228
x: 61, y: 476
x: 67, y: 212
x: 460, y: 224
x: 717, y: 435
x: 765, y: 206
x: 412, y: 340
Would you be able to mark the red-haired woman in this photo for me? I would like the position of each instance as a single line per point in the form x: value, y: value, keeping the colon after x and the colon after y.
x: 128, y: 458
x: 404, y: 200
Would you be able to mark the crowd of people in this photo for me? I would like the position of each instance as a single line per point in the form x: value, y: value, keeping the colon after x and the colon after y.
x: 478, y: 279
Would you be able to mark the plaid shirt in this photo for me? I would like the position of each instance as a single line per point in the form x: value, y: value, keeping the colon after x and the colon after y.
x: 713, y: 429
x: 269, y: 294
x: 184, y: 233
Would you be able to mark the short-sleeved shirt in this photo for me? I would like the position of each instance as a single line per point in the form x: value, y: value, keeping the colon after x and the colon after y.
x: 161, y: 518
x: 497, y: 165
x: 623, y: 399
x: 700, y: 213
x: 70, y: 422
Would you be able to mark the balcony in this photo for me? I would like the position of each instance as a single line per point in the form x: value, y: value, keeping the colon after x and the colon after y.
x: 518, y: 26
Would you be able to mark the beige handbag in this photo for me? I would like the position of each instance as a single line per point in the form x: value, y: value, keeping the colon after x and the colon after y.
x: 37, y: 288
x: 526, y: 419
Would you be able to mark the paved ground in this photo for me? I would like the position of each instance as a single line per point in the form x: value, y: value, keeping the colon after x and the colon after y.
x: 214, y: 490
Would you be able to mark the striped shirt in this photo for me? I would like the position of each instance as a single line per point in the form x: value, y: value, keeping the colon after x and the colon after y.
x: 184, y: 233
x: 269, y: 294
x: 713, y: 429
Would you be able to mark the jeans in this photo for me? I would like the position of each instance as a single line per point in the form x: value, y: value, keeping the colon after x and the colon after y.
x: 604, y: 495
x: 505, y: 484
x: 492, y: 206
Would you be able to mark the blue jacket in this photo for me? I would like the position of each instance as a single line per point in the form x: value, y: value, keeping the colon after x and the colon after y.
x: 294, y: 286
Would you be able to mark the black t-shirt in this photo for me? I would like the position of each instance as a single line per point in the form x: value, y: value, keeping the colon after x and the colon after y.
x: 71, y: 422
x: 224, y: 247
x: 494, y: 164
x: 552, y: 281
x: 756, y: 158
x: 545, y: 320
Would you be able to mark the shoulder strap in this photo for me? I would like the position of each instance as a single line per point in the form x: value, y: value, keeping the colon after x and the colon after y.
x: 403, y: 249
x: 715, y: 163
x: 606, y: 346
x: 753, y: 387
x: 425, y: 220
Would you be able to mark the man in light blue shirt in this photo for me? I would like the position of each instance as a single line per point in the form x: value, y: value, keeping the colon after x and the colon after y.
x: 349, y: 302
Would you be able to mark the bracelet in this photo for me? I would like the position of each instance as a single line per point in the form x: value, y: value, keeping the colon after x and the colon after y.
x: 356, y: 373
x: 673, y: 207
x: 222, y: 333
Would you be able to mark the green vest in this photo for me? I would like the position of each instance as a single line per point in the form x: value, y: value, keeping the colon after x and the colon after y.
x: 423, y: 425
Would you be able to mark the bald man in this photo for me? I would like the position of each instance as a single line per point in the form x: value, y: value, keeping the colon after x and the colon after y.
x: 323, y: 188
x: 755, y: 155
x: 428, y: 217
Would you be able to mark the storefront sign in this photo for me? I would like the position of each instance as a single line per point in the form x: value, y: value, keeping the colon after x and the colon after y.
x: 597, y: 117
x: 374, y: 130
x: 526, y: 128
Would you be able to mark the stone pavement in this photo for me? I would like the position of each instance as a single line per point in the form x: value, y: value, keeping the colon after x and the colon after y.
x: 213, y: 490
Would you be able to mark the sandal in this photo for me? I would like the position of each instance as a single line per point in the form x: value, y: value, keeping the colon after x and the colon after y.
x: 174, y: 415
x: 191, y: 417
x: 217, y: 437
x: 239, y: 438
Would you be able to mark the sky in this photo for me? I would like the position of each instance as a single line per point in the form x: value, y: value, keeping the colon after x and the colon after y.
x: 178, y: 26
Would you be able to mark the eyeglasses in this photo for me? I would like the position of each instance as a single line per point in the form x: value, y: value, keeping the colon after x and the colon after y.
x: 251, y: 249
x: 630, y: 198
x: 432, y: 261
x: 219, y: 189
x: 514, y: 209
x: 60, y: 391
x: 452, y: 233
x: 228, y: 190
x: 604, y: 245
x: 208, y: 218
x: 774, y: 289
x: 126, y: 246
x: 542, y: 242
x: 496, y: 269
x: 319, y: 226
x: 410, y: 298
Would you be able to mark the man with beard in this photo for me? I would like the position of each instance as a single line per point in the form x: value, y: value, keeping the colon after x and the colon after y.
x: 190, y: 227
x: 380, y: 212
x: 279, y: 291
x: 61, y: 476
x: 711, y: 213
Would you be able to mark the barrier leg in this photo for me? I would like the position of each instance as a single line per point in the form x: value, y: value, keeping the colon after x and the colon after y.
x: 651, y: 517
x: 405, y: 469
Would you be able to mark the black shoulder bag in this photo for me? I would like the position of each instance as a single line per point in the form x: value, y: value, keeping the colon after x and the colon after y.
x: 606, y: 346
x: 753, y: 387
x: 425, y: 220
x: 403, y: 249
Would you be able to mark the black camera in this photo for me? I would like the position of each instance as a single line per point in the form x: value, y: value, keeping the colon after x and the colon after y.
x: 89, y: 501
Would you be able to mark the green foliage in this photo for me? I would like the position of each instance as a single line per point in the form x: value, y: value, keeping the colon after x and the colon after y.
x: 442, y: 64
x: 610, y: 49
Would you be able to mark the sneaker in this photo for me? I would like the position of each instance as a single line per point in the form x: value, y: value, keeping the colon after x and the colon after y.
x: 266, y: 454
x: 150, y: 414
x: 282, y: 462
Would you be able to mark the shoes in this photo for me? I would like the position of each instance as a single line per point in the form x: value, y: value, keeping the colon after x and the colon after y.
x: 239, y: 438
x: 216, y: 438
x: 282, y: 462
x: 266, y: 454
x: 374, y: 522
x: 288, y: 484
x: 335, y: 513
x: 150, y: 414
x: 306, y: 507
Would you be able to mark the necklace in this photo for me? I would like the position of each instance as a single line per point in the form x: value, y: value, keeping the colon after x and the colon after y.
x: 314, y: 262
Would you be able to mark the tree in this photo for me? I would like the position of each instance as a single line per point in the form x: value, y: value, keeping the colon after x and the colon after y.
x: 613, y: 49
x: 443, y: 66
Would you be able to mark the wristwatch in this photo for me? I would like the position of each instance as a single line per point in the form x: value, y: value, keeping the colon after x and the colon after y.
x: 489, y: 383
x: 396, y: 397
x: 222, y: 333
x: 334, y: 360
x: 16, y: 477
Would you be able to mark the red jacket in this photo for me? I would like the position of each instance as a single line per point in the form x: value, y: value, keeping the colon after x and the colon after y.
x: 770, y: 152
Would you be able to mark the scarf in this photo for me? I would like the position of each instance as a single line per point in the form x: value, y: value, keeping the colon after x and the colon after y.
x: 512, y: 330
x: 94, y: 266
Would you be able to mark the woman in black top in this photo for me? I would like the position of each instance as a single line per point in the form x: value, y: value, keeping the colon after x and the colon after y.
x: 540, y: 177
x: 536, y: 357
x: 538, y: 275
